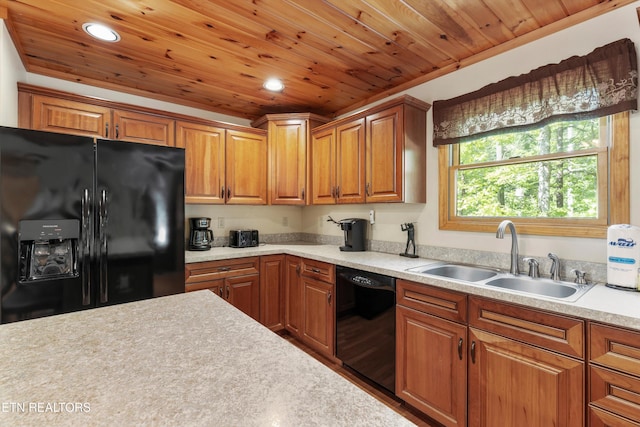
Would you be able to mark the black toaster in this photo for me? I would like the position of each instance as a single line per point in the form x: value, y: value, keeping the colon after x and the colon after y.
x: 243, y: 238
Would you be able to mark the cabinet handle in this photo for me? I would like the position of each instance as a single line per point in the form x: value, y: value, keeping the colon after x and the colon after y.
x: 220, y: 291
x: 298, y: 269
x: 460, y: 349
x: 228, y: 193
x: 367, y: 189
x: 117, y: 131
x: 315, y: 270
x: 302, y: 194
x: 106, y: 130
x: 329, y: 297
x: 222, y: 192
x: 224, y: 268
x: 473, y: 352
x: 337, y: 192
x: 227, y: 291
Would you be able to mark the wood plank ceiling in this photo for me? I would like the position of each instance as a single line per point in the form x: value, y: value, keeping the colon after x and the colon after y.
x: 333, y: 55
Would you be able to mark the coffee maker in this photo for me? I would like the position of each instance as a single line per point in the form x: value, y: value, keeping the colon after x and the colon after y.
x: 355, y: 231
x: 200, y: 236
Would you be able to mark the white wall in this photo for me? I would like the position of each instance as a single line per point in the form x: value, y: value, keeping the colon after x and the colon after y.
x: 578, y: 40
x: 11, y: 71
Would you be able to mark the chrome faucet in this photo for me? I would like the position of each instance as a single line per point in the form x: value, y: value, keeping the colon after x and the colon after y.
x: 514, y: 244
x: 555, y: 266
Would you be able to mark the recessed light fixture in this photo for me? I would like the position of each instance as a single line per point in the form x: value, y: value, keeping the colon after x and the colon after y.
x: 101, y: 32
x: 274, y: 85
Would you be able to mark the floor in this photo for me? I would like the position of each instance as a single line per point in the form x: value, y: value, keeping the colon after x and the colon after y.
x: 382, y: 395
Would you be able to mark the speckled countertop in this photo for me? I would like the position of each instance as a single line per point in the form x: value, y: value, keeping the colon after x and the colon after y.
x: 600, y: 303
x: 183, y: 360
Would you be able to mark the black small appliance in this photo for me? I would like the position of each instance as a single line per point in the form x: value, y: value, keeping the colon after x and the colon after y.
x: 200, y: 236
x: 243, y: 238
x: 355, y: 232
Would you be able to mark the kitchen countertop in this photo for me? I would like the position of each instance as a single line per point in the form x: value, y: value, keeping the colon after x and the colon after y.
x: 188, y: 359
x: 601, y: 303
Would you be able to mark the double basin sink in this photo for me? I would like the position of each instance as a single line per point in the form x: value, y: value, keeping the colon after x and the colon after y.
x: 493, y: 278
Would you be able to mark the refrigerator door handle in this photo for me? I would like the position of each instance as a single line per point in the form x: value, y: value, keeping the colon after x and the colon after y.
x: 85, y: 248
x: 104, y: 217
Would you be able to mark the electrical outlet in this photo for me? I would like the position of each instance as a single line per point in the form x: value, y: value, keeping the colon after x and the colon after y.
x: 220, y: 222
x: 372, y: 218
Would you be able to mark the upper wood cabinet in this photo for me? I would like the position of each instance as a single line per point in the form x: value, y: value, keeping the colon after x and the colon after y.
x: 288, y: 139
x: 204, y: 162
x: 378, y: 155
x: 223, y: 165
x: 61, y: 115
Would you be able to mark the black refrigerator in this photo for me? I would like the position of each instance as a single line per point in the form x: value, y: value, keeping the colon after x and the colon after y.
x: 86, y: 223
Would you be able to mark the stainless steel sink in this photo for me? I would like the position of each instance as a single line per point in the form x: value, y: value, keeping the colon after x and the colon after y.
x: 541, y: 287
x: 493, y: 278
x: 468, y: 273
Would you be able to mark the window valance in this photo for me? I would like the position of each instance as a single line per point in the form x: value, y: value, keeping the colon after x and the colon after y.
x: 601, y: 83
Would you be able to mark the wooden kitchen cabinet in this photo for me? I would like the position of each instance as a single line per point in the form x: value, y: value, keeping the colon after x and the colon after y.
x: 223, y: 165
x: 272, y: 291
x: 514, y: 378
x: 293, y: 296
x: 431, y: 351
x: 288, y: 138
x: 378, y: 155
x: 309, y: 303
x: 246, y: 168
x: 63, y: 115
x: 614, y: 376
x: 337, y: 162
x: 396, y: 153
x: 204, y: 164
x: 235, y: 280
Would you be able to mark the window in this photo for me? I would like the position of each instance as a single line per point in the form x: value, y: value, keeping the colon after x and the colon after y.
x: 567, y: 178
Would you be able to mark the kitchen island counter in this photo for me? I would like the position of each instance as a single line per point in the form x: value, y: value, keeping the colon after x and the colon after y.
x: 187, y: 359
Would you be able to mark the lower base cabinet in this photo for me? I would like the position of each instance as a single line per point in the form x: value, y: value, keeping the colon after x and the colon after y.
x: 272, y: 289
x: 236, y: 280
x: 614, y: 376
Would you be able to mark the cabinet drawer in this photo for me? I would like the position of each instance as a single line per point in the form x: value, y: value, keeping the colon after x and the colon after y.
x: 615, y: 348
x: 614, y: 392
x: 600, y: 418
x: 431, y: 300
x: 211, y: 270
x: 551, y: 331
x: 319, y: 270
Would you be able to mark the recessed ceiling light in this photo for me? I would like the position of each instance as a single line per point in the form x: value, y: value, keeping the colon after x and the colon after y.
x: 101, y: 32
x: 274, y: 85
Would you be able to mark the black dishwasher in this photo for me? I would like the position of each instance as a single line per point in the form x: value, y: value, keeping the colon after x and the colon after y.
x: 366, y: 324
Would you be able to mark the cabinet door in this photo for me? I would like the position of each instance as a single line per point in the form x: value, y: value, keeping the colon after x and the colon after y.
x: 272, y: 290
x: 512, y: 384
x: 243, y: 292
x: 323, y: 167
x: 318, y: 330
x: 204, y: 162
x: 143, y: 128
x: 293, y: 296
x: 246, y: 176
x: 288, y: 162
x: 384, y: 150
x: 350, y: 171
x: 71, y: 117
x: 431, y: 371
